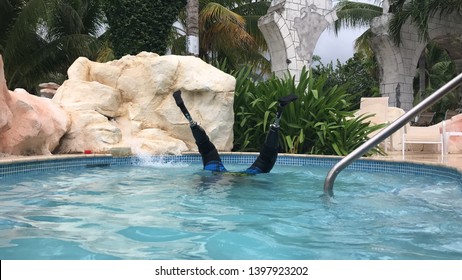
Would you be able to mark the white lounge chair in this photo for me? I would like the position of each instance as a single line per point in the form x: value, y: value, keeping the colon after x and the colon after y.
x: 450, y: 113
x: 379, y: 107
x: 425, y: 119
x: 424, y: 135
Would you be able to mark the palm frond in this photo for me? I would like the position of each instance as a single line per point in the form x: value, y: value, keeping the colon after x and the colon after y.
x: 252, y: 13
x: 46, y: 36
x: 355, y: 14
x: 444, y: 7
x: 363, y: 43
x: 252, y: 8
x: 226, y: 34
x: 418, y: 13
x: 215, y: 12
x: 9, y: 11
x: 222, y: 29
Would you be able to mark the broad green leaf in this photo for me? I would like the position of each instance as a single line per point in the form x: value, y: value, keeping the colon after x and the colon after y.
x: 315, y: 93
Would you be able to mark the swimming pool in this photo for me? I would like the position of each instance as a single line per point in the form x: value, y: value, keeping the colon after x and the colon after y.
x: 131, y: 208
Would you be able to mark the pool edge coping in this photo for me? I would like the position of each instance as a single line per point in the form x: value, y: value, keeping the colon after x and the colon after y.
x: 44, y: 158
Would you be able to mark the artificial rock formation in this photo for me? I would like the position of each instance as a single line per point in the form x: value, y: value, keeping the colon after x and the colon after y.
x: 454, y: 143
x: 29, y: 125
x: 48, y: 89
x: 128, y: 103
x: 125, y: 103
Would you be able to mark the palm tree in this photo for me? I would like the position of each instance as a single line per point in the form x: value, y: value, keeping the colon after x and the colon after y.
x: 439, y: 68
x: 192, y: 27
x: 357, y: 14
x: 39, y: 39
x: 228, y: 30
x: 419, y: 13
x: 9, y: 12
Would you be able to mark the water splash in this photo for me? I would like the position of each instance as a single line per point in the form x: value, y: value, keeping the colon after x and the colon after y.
x: 148, y: 160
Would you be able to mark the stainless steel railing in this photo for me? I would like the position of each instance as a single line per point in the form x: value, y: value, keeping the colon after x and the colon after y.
x: 382, y: 135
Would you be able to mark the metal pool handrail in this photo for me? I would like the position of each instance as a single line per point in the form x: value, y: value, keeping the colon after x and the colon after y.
x: 382, y: 135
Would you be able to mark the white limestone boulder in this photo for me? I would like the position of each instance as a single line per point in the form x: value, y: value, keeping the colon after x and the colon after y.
x: 91, y: 132
x: 128, y: 103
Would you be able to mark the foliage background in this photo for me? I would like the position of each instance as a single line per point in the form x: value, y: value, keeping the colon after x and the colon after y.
x: 319, y: 122
x: 40, y: 39
x: 141, y: 25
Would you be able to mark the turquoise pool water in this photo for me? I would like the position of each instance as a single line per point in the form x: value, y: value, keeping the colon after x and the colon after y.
x: 178, y: 211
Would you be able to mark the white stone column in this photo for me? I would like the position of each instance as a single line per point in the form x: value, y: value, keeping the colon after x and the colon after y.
x: 397, y: 63
x: 291, y: 29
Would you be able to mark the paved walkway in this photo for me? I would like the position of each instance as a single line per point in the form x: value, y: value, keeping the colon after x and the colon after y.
x: 452, y: 160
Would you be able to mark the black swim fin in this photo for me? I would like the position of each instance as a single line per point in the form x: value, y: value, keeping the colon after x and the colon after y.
x: 179, y: 102
x: 283, y: 101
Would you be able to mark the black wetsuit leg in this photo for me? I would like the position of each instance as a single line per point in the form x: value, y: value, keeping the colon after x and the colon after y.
x: 268, y: 153
x: 209, y: 153
x: 210, y: 157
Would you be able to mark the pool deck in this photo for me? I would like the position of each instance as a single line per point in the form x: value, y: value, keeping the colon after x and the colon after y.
x: 450, y: 160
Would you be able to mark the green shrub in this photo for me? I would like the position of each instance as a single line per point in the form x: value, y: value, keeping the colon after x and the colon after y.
x: 319, y: 122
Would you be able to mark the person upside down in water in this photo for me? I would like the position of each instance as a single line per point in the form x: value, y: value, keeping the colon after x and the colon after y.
x: 210, y: 157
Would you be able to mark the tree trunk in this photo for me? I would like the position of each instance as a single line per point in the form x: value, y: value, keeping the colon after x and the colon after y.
x: 192, y: 27
x: 422, y: 73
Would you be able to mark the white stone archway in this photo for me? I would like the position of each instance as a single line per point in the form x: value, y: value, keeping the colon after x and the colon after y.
x: 398, y: 63
x: 292, y: 28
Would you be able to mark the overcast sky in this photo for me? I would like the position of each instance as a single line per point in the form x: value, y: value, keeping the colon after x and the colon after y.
x: 331, y: 47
